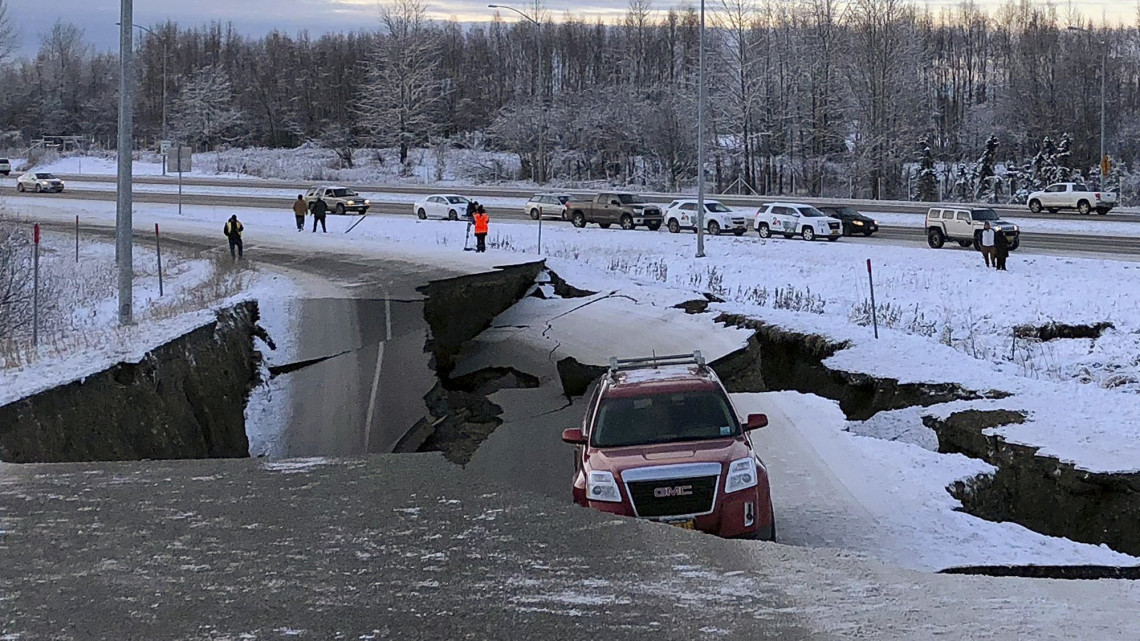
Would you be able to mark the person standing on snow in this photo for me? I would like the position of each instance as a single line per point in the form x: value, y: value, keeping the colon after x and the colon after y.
x: 472, y: 207
x: 987, y: 243
x: 1001, y: 250
x: 300, y: 208
x: 233, y: 230
x: 319, y: 209
x: 482, y: 224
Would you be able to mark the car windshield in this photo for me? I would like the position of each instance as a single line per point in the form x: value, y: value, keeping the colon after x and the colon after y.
x: 457, y: 200
x: 663, y: 418
x: 717, y: 207
x: 44, y: 176
x: 630, y: 199
x: 983, y: 214
x: 342, y: 193
x: 812, y: 212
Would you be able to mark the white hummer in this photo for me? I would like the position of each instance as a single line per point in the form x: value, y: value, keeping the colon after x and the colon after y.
x: 964, y: 226
x: 792, y: 219
x: 1076, y: 196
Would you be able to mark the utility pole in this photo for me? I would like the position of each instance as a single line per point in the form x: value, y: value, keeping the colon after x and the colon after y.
x: 541, y: 85
x: 701, y: 141
x: 164, y: 62
x: 123, y: 217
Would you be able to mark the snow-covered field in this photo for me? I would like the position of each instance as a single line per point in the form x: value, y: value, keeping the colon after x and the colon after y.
x: 943, y: 318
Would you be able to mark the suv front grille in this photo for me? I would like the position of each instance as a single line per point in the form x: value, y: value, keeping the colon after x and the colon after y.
x: 673, y: 497
x: 833, y: 226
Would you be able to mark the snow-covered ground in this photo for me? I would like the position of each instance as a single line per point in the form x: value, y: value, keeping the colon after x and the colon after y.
x: 943, y: 318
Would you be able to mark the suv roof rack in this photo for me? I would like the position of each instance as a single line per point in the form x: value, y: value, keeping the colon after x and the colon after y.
x: 622, y: 364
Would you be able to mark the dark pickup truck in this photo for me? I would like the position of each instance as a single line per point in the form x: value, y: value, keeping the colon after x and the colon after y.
x: 607, y: 208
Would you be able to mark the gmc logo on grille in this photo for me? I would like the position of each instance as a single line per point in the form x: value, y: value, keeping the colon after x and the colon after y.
x: 666, y: 492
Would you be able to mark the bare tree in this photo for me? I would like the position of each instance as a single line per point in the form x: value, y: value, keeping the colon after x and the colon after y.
x: 7, y: 32
x: 403, y: 83
x: 204, y: 113
x: 15, y: 279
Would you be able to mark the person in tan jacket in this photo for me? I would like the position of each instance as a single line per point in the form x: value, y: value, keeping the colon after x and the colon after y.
x: 300, y: 208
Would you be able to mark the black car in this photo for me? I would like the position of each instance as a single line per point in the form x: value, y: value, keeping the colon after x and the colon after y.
x: 853, y: 221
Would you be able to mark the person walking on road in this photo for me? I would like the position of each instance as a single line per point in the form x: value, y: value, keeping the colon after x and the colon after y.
x: 300, y: 208
x: 233, y: 230
x: 1001, y: 250
x: 319, y: 209
x: 482, y: 224
x: 987, y: 243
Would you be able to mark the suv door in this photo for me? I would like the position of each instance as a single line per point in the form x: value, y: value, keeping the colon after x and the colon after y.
x: 963, y: 226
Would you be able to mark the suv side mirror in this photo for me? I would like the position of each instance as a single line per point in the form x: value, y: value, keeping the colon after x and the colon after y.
x: 755, y: 422
x: 574, y: 435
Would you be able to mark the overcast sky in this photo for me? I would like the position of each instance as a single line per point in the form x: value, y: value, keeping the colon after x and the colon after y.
x: 256, y: 17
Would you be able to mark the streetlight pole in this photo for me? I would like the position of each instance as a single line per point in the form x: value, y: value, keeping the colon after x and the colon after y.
x: 541, y: 86
x: 701, y: 140
x: 123, y: 214
x: 164, y: 62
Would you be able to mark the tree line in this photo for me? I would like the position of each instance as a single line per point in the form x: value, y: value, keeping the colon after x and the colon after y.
x: 816, y: 97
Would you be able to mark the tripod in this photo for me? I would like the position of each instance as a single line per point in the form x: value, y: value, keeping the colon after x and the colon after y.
x: 467, y: 239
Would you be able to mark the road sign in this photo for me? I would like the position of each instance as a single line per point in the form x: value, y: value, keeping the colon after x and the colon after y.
x: 164, y: 147
x: 179, y: 159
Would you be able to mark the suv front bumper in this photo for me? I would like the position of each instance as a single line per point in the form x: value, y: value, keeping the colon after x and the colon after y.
x: 729, y: 518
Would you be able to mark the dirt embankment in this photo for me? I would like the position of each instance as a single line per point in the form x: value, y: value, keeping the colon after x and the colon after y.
x: 184, y: 399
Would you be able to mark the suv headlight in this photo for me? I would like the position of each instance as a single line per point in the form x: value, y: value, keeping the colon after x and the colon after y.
x: 601, y: 486
x: 741, y: 475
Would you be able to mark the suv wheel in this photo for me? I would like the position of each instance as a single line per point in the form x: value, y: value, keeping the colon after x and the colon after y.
x: 763, y: 230
x: 808, y: 233
x: 534, y: 214
x: 339, y: 209
x: 421, y: 214
x: 714, y: 228
x: 578, y: 219
x: 604, y: 225
x: 935, y: 238
x: 627, y: 222
x: 1015, y: 243
x: 1084, y: 208
x: 674, y: 226
x: 965, y: 243
x: 1035, y: 206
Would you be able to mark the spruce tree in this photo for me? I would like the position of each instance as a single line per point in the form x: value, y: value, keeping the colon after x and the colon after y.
x: 927, y: 176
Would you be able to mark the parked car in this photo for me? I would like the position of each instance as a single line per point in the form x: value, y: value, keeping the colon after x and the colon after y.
x: 546, y: 205
x: 853, y: 221
x: 340, y: 200
x: 1076, y: 196
x: 5, y: 167
x: 682, y: 214
x: 964, y: 226
x: 38, y: 181
x: 661, y: 441
x: 607, y: 208
x: 449, y: 206
x: 796, y: 219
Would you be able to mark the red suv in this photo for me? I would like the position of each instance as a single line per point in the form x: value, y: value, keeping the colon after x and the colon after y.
x: 661, y: 441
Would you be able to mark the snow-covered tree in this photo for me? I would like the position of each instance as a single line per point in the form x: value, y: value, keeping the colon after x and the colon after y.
x: 927, y: 176
x: 204, y: 114
x: 7, y: 32
x: 984, y: 171
x: 402, y: 80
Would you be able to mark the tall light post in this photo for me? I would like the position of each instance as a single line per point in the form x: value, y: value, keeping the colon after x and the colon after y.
x: 123, y: 215
x: 541, y: 85
x: 701, y: 140
x: 1103, y: 102
x: 164, y: 63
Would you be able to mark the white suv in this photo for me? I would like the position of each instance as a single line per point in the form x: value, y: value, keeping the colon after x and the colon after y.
x: 964, y: 226
x: 682, y: 214
x: 796, y: 219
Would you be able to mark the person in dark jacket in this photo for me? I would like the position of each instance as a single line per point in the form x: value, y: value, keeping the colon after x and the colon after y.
x: 233, y: 230
x: 482, y: 224
x: 300, y: 208
x: 472, y: 207
x: 319, y: 209
x: 1001, y: 250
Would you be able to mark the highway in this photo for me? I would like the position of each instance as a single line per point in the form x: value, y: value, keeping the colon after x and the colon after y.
x: 244, y: 195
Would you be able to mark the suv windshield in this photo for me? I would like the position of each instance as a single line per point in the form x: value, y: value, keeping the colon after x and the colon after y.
x: 717, y: 207
x: 343, y: 193
x: 630, y: 199
x: 983, y: 214
x: 812, y: 212
x: 663, y: 418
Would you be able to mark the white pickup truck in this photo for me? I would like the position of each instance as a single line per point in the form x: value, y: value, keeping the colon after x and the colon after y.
x: 1076, y: 196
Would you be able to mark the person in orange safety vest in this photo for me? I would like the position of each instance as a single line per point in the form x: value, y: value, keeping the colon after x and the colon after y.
x: 482, y: 222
